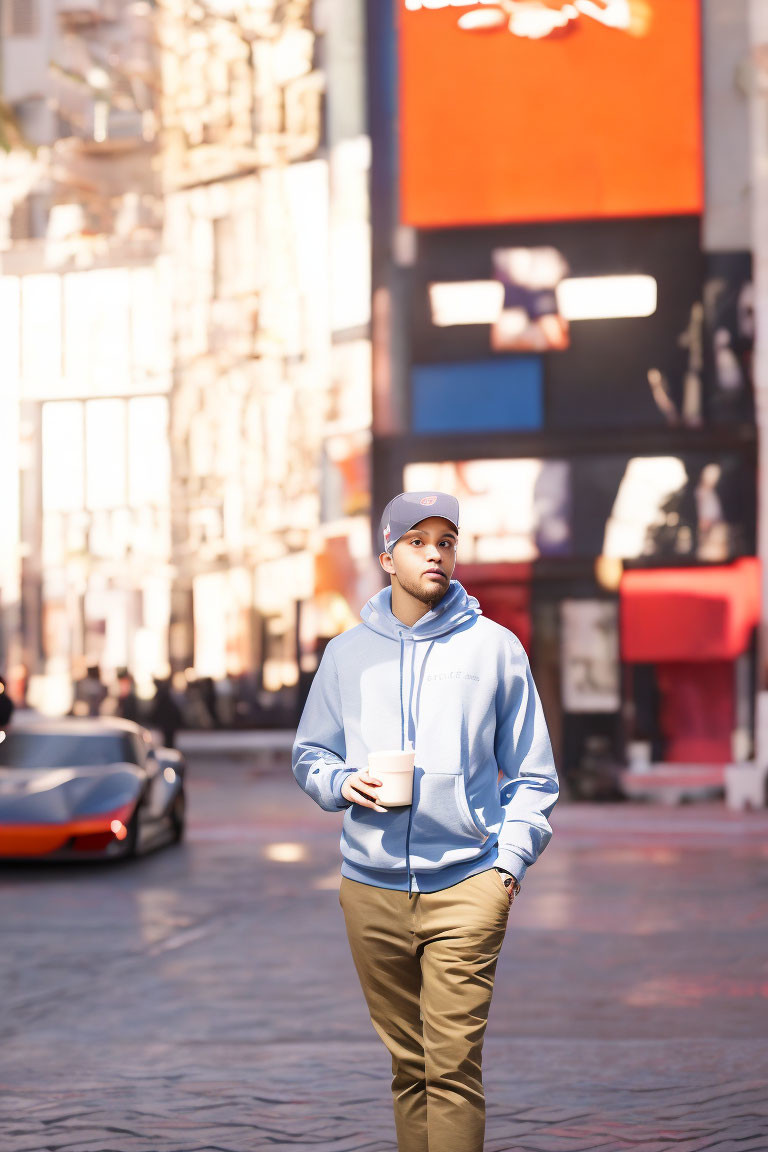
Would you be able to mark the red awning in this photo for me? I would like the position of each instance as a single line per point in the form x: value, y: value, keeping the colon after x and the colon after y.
x: 689, y: 613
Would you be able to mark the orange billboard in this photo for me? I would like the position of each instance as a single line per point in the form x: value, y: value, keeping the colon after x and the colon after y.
x: 533, y: 110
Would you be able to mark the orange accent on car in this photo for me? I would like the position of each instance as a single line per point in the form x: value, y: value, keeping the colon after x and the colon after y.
x: 42, y: 839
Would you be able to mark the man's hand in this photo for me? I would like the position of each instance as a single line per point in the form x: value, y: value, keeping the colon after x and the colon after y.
x: 510, y: 883
x: 510, y: 892
x: 360, y: 788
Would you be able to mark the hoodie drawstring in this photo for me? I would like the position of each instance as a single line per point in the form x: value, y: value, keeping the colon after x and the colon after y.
x: 421, y: 679
x: 402, y: 709
x: 402, y: 744
x: 402, y: 747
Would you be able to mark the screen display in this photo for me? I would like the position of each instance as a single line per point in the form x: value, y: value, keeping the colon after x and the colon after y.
x: 610, y: 310
x: 522, y: 111
x: 494, y: 526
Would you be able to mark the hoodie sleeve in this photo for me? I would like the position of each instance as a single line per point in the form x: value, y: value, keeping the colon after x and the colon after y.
x: 528, y: 785
x: 319, y: 748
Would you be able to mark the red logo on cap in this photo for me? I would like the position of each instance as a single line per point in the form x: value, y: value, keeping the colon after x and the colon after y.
x: 427, y: 499
x: 387, y: 534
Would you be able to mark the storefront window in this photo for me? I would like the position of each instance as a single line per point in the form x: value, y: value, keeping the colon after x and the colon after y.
x: 148, y: 462
x: 10, y: 319
x: 41, y: 330
x: 105, y: 453
x: 647, y: 485
x: 63, y: 464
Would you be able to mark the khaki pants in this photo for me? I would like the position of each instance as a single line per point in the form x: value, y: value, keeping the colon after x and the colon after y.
x: 426, y: 966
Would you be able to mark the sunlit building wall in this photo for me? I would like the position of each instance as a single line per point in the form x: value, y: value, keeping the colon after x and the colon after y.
x: 86, y: 353
x: 265, y: 168
x: 93, y: 544
x: 185, y: 277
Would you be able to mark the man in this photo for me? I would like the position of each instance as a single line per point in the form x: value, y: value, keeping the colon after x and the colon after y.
x: 426, y: 889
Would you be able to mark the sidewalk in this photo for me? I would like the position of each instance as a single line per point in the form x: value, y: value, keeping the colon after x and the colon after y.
x: 204, y: 999
x: 267, y: 746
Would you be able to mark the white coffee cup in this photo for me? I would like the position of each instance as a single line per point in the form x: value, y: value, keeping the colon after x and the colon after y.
x: 395, y: 770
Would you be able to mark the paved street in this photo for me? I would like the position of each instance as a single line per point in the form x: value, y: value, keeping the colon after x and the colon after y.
x: 204, y: 998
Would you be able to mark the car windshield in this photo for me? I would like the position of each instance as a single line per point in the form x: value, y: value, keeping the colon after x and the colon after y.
x: 65, y: 750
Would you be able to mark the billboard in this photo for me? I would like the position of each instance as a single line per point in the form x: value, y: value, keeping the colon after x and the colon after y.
x: 609, y: 308
x: 495, y: 528
x: 684, y: 508
x: 520, y: 111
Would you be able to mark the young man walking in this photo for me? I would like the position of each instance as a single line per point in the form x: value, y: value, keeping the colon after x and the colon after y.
x: 426, y: 889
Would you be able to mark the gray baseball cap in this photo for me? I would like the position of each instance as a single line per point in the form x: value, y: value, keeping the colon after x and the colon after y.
x: 406, y: 510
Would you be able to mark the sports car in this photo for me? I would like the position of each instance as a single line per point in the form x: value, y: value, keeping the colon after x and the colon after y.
x: 75, y: 789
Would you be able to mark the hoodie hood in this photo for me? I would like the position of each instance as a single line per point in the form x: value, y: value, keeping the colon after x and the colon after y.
x: 455, y: 608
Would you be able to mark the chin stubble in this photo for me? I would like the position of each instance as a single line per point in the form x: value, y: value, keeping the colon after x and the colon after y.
x: 431, y: 596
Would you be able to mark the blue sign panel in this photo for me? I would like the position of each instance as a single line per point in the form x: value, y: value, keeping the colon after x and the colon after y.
x: 483, y: 395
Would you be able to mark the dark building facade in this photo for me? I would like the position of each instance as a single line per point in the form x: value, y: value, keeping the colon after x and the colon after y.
x: 558, y: 343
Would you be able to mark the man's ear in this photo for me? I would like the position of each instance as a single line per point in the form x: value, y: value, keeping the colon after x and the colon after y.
x: 389, y: 568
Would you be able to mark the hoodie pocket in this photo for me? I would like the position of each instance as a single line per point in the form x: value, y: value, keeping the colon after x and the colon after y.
x: 375, y: 839
x: 443, y: 829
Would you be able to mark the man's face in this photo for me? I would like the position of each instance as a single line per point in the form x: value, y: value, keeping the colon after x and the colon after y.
x: 430, y: 545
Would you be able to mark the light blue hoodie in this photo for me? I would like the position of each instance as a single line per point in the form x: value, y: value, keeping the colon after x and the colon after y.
x: 459, y: 687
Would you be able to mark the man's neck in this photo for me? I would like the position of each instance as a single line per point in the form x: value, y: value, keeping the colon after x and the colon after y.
x: 406, y: 608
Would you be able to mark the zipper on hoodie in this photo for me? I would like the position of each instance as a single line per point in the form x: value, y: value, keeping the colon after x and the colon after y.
x: 408, y: 852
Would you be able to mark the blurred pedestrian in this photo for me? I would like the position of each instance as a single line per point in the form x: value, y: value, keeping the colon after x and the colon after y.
x: 210, y: 699
x: 19, y: 684
x: 164, y: 712
x: 428, y: 882
x: 90, y: 693
x: 6, y: 705
x: 194, y: 704
x: 127, y: 703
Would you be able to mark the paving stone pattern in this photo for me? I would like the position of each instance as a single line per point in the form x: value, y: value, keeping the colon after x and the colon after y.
x: 204, y: 999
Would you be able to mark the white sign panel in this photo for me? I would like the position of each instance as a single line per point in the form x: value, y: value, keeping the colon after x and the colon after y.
x: 590, y: 656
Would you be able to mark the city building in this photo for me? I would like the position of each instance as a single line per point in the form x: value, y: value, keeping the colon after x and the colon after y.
x: 265, y: 263
x: 84, y: 347
x: 185, y: 308
x: 265, y: 172
x: 563, y: 337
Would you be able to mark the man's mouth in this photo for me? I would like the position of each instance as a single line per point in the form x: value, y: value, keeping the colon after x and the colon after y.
x: 435, y: 572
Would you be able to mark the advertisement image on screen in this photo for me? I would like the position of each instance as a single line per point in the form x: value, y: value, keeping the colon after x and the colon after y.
x: 512, y: 510
x: 526, y: 110
x: 589, y: 632
x: 530, y: 319
x: 520, y: 303
x: 611, y: 311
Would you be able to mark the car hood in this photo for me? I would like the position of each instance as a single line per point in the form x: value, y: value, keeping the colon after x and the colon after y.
x: 50, y: 795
